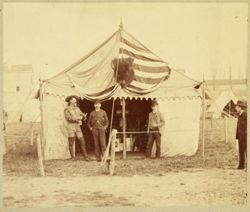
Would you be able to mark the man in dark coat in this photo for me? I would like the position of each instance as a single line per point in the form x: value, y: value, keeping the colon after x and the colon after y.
x: 241, y: 133
x: 98, y: 123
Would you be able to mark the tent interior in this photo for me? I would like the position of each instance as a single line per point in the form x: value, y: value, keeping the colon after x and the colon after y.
x: 230, y: 109
x: 136, y: 114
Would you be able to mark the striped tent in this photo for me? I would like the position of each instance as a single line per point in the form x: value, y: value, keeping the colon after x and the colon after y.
x: 93, y: 77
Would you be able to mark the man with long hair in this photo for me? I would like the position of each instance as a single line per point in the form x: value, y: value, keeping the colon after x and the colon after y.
x: 74, y: 117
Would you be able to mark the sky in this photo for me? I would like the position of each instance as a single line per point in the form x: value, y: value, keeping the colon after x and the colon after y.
x: 201, y: 38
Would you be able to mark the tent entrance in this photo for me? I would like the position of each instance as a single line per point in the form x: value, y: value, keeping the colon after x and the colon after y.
x: 136, y: 115
x: 136, y: 120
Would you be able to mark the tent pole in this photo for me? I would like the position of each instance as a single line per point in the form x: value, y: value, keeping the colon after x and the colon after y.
x: 124, y: 128
x: 41, y: 115
x: 203, y: 118
x: 31, y: 133
x: 40, y: 156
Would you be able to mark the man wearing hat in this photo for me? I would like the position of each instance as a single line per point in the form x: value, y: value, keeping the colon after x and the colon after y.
x: 241, y: 133
x: 155, y: 123
x: 74, y: 117
x: 98, y: 123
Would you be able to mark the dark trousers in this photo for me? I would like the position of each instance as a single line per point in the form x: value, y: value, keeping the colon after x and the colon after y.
x: 242, y: 152
x: 151, y: 138
x: 100, y: 142
x: 82, y: 144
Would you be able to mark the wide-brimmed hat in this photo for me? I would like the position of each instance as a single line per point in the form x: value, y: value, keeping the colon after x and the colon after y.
x: 68, y: 98
x: 154, y: 103
x: 97, y: 102
x: 242, y: 103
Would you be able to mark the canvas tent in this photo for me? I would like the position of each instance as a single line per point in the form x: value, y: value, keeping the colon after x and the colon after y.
x: 92, y: 77
x: 23, y: 107
x: 223, y: 99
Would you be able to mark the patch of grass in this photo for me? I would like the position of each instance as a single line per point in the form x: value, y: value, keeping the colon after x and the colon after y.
x: 22, y: 161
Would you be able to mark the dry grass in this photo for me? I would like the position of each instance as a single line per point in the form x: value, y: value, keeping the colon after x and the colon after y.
x: 22, y: 160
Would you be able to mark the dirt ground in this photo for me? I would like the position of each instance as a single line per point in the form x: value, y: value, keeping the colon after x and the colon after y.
x: 192, y: 187
x: 164, y: 182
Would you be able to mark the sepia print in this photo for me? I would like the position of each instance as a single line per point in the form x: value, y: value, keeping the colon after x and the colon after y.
x: 124, y: 104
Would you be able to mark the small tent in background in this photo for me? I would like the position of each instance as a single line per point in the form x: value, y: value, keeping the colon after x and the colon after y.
x: 24, y: 107
x: 95, y: 77
x: 220, y: 104
x: 19, y: 87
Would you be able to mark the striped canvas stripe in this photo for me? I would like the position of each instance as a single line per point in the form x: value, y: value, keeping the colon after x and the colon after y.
x: 137, y: 56
x: 134, y: 46
x: 146, y: 54
x: 145, y: 63
x: 147, y: 80
x: 150, y: 75
x: 150, y: 69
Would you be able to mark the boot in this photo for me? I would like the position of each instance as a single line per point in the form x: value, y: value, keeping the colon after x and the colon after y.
x: 83, y: 148
x: 71, y: 145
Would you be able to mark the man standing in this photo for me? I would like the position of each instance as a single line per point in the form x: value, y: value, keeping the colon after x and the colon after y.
x: 155, y: 123
x: 241, y: 133
x: 74, y: 117
x: 98, y: 123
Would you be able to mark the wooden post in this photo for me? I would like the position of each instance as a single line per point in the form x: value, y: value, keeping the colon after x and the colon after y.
x: 41, y: 115
x: 74, y: 149
x: 231, y: 88
x: 112, y: 155
x: 225, y: 128
x: 40, y: 157
x: 124, y: 128
x: 203, y: 118
x: 31, y: 134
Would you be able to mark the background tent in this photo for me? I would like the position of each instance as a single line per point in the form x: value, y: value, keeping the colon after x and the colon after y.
x: 92, y: 77
x: 219, y: 103
x: 19, y: 87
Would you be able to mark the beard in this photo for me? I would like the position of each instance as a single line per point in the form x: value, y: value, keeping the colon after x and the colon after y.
x: 73, y: 104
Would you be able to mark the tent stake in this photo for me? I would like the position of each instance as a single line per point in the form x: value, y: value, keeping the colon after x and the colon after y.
x: 124, y: 129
